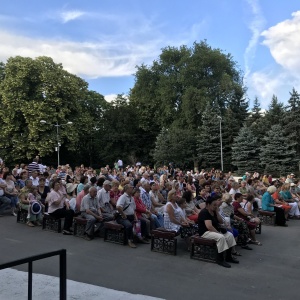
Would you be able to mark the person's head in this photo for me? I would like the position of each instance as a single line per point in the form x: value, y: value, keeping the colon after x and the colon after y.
x: 42, y: 181
x: 285, y: 187
x: 6, y: 175
x: 100, y: 181
x: 235, y: 185
x: 207, y: 188
x: 86, y: 189
x: 154, y: 186
x: 136, y: 193
x: 227, y: 198
x: 146, y: 186
x: 128, y: 189
x: 93, y: 192
x: 56, y: 184
x: 271, y: 189
x: 188, y: 196
x: 172, y: 196
x: 24, y: 175
x: 93, y: 180
x: 238, y: 197
x: 243, y: 183
x: 28, y: 183
x: 107, y: 185
x: 181, y: 202
x: 250, y: 198
x: 84, y: 179
x: 212, y: 203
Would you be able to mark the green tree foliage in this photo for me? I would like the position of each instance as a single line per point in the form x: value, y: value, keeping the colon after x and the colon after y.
x: 175, y: 145
x: 208, y: 141
x: 277, y: 155
x: 245, y: 151
x: 34, y: 90
x: 182, y: 81
x: 291, y: 119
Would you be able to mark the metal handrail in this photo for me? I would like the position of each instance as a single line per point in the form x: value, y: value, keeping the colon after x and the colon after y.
x: 62, y: 270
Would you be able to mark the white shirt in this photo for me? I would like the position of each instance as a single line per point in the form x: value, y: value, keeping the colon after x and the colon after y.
x: 103, y: 197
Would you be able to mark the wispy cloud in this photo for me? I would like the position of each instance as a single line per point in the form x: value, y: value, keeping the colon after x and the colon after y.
x: 283, y: 40
x: 256, y: 26
x: 67, y: 16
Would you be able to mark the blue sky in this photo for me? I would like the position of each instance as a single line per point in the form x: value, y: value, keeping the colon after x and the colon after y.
x: 103, y: 41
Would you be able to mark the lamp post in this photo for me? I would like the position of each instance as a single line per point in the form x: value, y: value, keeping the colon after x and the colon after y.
x: 221, y: 142
x: 57, y: 135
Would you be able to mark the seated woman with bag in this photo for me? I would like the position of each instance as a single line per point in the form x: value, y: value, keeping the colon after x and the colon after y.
x: 210, y: 227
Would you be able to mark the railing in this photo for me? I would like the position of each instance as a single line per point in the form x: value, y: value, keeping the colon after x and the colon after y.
x: 62, y: 270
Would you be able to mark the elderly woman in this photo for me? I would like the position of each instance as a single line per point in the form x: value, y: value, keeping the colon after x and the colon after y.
x: 268, y: 204
x: 210, y: 227
x: 287, y: 197
x: 236, y: 222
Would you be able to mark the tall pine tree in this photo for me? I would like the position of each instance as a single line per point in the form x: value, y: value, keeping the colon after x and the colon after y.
x: 278, y: 156
x: 245, y: 151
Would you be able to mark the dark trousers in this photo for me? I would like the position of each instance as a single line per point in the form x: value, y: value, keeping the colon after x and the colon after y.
x: 127, y: 223
x: 280, y: 217
x: 64, y: 213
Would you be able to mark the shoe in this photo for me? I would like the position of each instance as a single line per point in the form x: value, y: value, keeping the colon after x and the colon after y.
x: 131, y: 244
x: 256, y: 243
x: 38, y: 223
x: 246, y: 247
x: 14, y: 214
x: 66, y: 232
x: 145, y: 241
x: 233, y: 260
x: 88, y: 237
x: 236, y: 253
x: 224, y: 264
x: 30, y: 224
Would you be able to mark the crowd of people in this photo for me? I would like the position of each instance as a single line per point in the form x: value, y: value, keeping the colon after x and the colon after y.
x: 217, y: 205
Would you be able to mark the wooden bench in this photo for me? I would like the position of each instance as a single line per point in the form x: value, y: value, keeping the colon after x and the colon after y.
x: 79, y: 226
x: 114, y: 233
x: 203, y: 249
x: 267, y: 217
x: 51, y: 223
x: 22, y: 216
x: 188, y: 231
x: 164, y: 241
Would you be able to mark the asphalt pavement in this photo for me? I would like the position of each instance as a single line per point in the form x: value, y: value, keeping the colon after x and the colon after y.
x: 270, y: 271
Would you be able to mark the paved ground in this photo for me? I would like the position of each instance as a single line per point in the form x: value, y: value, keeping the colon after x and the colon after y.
x: 270, y: 271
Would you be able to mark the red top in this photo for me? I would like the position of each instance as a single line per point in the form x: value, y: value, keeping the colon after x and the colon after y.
x: 140, y: 207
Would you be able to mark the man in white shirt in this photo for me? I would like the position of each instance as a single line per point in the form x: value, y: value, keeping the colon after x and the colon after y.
x: 4, y: 201
x: 103, y: 197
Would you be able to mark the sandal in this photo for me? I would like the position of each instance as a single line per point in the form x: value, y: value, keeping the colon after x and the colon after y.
x: 256, y: 243
x: 236, y: 253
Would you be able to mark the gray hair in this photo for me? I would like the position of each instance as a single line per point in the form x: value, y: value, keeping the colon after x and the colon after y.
x: 86, y: 187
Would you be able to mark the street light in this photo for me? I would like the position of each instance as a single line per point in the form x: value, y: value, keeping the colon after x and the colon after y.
x: 57, y: 135
x: 220, y: 119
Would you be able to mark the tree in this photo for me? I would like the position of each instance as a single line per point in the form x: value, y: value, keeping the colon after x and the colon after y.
x: 291, y: 120
x: 208, y: 141
x: 34, y: 90
x: 245, y: 151
x: 277, y: 155
x: 175, y: 145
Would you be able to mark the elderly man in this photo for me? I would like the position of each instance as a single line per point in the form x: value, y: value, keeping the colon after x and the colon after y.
x: 90, y: 210
x: 80, y: 196
x: 103, y: 197
x: 126, y: 208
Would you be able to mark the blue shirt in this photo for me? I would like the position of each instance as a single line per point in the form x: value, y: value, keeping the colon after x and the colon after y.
x: 266, y: 201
